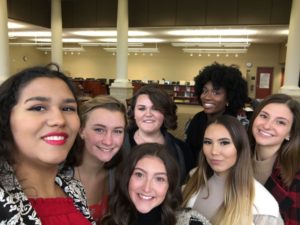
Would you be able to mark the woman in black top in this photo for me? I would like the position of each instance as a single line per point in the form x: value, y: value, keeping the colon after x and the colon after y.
x: 221, y: 90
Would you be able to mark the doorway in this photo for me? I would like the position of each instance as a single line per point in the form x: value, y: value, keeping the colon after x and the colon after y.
x: 264, y: 81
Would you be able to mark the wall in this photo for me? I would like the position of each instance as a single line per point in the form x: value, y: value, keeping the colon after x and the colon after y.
x: 171, y: 63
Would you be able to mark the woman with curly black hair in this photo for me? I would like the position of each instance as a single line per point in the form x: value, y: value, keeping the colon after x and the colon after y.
x: 221, y: 89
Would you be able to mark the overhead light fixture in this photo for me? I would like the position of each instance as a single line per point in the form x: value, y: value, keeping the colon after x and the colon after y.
x: 30, y: 43
x: 211, y: 44
x: 14, y: 25
x: 216, y: 40
x: 108, y: 44
x: 108, y: 33
x: 134, y: 40
x: 212, y: 32
x: 29, y: 34
x: 135, y: 50
x: 65, y: 49
x: 214, y: 50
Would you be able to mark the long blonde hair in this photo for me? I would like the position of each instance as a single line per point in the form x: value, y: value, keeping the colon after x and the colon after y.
x: 236, y: 208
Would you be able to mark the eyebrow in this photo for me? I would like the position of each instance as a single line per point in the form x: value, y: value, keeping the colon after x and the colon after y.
x: 159, y: 173
x: 104, y: 126
x: 224, y: 139
x: 45, y: 99
x: 279, y: 117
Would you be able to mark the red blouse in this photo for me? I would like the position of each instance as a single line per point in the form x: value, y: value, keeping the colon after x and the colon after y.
x: 54, y: 211
x: 99, y: 210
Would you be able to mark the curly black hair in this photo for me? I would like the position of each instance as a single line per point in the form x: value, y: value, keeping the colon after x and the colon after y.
x: 228, y: 77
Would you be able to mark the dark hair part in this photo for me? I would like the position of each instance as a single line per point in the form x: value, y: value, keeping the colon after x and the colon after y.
x: 10, y: 91
x: 122, y: 209
x: 161, y: 101
x: 228, y: 77
x: 288, y: 153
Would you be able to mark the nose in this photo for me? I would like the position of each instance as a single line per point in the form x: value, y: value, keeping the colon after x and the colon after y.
x: 149, y: 112
x: 214, y: 149
x: 56, y: 118
x: 147, y: 185
x: 107, y: 138
x: 267, y: 124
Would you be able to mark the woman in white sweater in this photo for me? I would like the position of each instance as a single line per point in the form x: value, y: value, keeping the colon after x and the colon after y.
x: 222, y: 188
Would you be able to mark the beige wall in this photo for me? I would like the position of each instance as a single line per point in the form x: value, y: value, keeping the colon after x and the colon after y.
x: 171, y: 63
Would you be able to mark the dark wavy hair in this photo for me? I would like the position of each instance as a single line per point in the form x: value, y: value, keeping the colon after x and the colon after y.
x: 288, y: 153
x: 228, y: 77
x: 161, y: 101
x: 10, y: 91
x: 122, y: 210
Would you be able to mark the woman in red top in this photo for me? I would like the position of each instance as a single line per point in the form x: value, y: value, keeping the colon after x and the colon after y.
x: 39, y: 123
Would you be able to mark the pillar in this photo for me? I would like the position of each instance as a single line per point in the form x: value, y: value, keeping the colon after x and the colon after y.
x: 4, y: 45
x: 292, y: 66
x: 121, y: 88
x: 56, y: 33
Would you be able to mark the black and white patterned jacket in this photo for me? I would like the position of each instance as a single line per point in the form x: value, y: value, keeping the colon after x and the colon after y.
x: 15, y: 208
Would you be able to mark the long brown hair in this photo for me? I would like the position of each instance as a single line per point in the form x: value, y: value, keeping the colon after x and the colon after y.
x: 288, y: 153
x: 239, y: 194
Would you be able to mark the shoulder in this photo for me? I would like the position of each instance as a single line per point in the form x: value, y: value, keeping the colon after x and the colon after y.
x: 72, y: 187
x: 263, y: 200
x: 191, y: 217
x: 69, y: 171
x: 15, y: 208
x: 199, y: 116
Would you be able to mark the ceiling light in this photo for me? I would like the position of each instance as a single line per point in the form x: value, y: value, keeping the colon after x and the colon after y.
x: 65, y: 49
x: 30, y: 43
x: 212, y: 32
x: 218, y: 40
x: 144, y: 40
x: 214, y: 50
x: 29, y: 34
x: 135, y: 50
x: 14, y: 25
x: 109, y: 44
x: 64, y: 40
x: 211, y: 44
x: 107, y: 33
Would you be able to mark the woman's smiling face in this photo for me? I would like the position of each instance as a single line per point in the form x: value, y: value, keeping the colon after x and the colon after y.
x: 44, y: 122
x: 148, y: 184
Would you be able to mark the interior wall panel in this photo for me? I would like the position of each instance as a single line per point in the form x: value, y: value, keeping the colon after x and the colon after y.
x: 67, y: 8
x: 220, y: 12
x: 156, y: 13
x: 191, y: 12
x: 138, y: 13
x: 107, y: 13
x: 85, y: 13
x: 280, y: 11
x: 254, y: 12
x: 162, y: 12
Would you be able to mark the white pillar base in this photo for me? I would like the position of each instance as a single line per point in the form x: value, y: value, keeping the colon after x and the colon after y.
x: 293, y: 91
x: 121, y: 90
